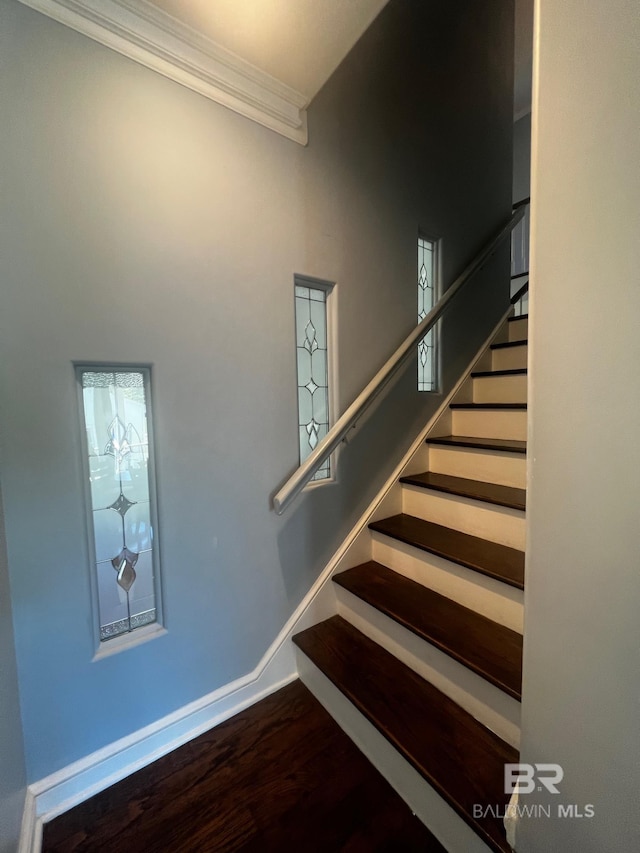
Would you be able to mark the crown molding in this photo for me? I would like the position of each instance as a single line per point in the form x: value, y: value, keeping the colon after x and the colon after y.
x: 142, y: 32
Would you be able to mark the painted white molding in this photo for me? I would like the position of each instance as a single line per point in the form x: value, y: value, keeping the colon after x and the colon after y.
x: 29, y: 831
x: 81, y: 780
x: 66, y: 788
x: 61, y: 791
x: 157, y: 40
x: 490, y: 705
x: 423, y: 799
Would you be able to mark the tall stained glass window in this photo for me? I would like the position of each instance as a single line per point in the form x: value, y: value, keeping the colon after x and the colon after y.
x: 119, y: 466
x: 313, y: 368
x: 427, y: 367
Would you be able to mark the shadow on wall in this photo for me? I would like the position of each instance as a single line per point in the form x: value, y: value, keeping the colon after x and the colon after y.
x: 12, y: 764
x: 385, y: 434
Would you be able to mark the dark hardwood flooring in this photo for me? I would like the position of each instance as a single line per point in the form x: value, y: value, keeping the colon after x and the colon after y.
x: 509, y: 344
x: 491, y: 650
x: 498, y: 407
x: 510, y: 445
x: 512, y: 371
x: 489, y: 558
x: 456, y: 754
x: 474, y: 489
x: 280, y: 776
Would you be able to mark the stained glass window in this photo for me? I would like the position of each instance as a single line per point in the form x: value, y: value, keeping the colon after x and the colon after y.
x: 313, y: 368
x: 427, y: 376
x: 120, y: 472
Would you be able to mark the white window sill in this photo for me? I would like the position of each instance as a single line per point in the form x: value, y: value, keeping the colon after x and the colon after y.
x: 128, y: 641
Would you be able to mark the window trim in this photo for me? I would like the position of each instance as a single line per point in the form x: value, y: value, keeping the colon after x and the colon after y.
x: 113, y: 645
x: 331, y: 307
x: 436, y: 242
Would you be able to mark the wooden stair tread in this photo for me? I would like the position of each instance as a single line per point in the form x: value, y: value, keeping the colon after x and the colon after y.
x: 475, y: 489
x: 514, y: 371
x: 510, y: 445
x: 508, y: 344
x: 484, y: 646
x: 456, y: 754
x: 489, y: 558
x: 509, y: 407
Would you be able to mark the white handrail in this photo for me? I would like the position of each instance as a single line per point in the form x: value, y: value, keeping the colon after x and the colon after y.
x: 303, y: 474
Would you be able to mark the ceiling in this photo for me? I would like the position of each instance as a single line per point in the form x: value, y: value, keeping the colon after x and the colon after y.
x: 301, y: 42
x: 265, y: 59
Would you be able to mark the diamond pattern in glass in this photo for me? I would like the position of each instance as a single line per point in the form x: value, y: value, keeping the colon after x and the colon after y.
x: 121, y: 505
x: 313, y: 390
x: 115, y: 420
x: 426, y: 299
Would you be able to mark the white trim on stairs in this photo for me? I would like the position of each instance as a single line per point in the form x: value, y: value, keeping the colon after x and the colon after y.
x: 423, y: 799
x: 64, y: 789
x: 153, y: 38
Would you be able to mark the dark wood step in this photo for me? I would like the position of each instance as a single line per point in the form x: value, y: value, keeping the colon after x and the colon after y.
x: 489, y: 558
x: 475, y: 489
x: 509, y: 445
x: 513, y: 407
x: 518, y: 317
x: 508, y: 344
x: 452, y: 751
x: 484, y: 646
x: 514, y: 371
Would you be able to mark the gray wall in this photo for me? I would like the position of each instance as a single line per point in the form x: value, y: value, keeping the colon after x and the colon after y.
x: 147, y: 224
x: 582, y: 631
x: 522, y: 157
x: 12, y: 765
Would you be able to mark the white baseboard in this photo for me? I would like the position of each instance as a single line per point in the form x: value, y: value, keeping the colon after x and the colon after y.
x: 66, y: 788
x: 29, y: 831
x: 81, y: 780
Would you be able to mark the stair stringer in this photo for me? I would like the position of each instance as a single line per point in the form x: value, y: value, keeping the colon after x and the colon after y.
x: 475, y: 694
x: 492, y: 708
x: 423, y: 800
x: 321, y: 600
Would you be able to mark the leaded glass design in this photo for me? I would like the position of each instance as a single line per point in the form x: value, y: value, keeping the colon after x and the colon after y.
x: 114, y: 404
x: 313, y: 373
x: 426, y: 301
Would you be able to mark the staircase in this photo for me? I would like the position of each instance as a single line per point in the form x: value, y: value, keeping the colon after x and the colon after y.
x: 422, y: 665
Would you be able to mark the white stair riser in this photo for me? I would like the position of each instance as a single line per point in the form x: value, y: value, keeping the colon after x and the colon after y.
x: 509, y: 358
x: 490, y: 423
x: 519, y: 330
x: 503, y: 469
x: 448, y: 827
x: 484, y: 701
x: 491, y: 598
x: 500, y: 389
x: 495, y: 523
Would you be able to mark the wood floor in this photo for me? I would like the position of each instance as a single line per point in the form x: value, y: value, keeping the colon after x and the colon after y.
x: 281, y: 776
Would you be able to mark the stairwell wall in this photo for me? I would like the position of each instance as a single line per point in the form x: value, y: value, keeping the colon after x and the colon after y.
x: 145, y: 224
x: 580, y: 705
x: 522, y: 158
x: 13, y: 778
